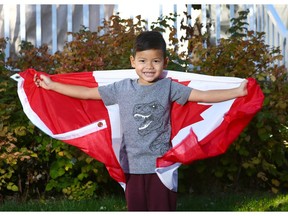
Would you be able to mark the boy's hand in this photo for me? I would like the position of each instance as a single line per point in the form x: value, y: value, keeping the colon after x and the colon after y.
x: 243, y: 88
x: 43, y: 81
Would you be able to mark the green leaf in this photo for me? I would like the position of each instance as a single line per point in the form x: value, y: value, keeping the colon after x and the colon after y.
x: 55, y: 173
x: 219, y: 173
x: 50, y: 185
x: 12, y: 186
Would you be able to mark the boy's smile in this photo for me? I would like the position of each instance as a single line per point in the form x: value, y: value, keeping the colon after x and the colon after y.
x: 149, y: 65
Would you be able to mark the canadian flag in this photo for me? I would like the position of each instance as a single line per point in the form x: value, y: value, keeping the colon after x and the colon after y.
x: 199, y: 130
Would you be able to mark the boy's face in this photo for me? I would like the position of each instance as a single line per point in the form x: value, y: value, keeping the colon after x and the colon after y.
x: 149, y: 65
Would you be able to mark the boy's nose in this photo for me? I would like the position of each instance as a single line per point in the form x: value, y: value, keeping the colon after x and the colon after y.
x: 149, y: 65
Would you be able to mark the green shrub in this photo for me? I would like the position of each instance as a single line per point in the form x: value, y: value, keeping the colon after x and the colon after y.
x: 258, y: 158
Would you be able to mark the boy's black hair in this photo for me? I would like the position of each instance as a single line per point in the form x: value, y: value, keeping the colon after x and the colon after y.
x: 149, y: 40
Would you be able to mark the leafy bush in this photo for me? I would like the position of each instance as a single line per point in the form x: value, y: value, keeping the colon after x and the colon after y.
x: 258, y: 157
x: 33, y: 164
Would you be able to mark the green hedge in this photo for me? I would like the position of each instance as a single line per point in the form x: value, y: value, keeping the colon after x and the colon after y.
x: 35, y: 165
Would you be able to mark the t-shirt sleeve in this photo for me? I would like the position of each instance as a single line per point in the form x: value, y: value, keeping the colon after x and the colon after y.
x: 108, y: 94
x: 180, y: 93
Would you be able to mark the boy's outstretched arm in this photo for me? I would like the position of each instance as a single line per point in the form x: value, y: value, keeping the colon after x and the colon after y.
x: 80, y: 92
x: 214, y: 96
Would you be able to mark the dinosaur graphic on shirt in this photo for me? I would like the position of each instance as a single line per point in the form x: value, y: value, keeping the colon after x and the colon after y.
x: 149, y: 118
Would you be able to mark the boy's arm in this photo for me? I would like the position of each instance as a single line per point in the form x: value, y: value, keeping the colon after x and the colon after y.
x: 80, y: 92
x: 214, y: 96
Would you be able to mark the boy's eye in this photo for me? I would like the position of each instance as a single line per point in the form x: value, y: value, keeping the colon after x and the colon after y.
x: 157, y: 61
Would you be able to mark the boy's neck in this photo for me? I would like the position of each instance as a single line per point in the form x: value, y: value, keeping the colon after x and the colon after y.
x: 147, y: 83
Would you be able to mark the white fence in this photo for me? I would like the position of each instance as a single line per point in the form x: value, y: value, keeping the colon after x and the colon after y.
x: 49, y: 24
x: 276, y: 31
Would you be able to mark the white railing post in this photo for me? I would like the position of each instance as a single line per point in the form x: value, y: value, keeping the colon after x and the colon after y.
x: 38, y: 26
x: 101, y: 14
x: 251, y: 18
x: 189, y: 11
x: 6, y: 8
x: 22, y: 22
x: 54, y: 29
x: 85, y: 9
x: 69, y: 21
x: 285, y: 51
x: 177, y: 27
x: 232, y: 14
x: 204, y: 19
x: 218, y: 22
x: 259, y: 18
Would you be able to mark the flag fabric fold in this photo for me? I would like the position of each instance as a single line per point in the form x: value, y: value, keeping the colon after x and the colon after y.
x: 199, y: 130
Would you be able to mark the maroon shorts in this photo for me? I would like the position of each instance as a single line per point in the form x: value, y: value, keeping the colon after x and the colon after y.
x: 146, y: 192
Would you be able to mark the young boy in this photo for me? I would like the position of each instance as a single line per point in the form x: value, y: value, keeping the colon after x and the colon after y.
x: 145, y: 136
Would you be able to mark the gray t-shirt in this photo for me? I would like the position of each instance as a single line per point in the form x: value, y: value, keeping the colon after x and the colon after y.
x: 145, y: 119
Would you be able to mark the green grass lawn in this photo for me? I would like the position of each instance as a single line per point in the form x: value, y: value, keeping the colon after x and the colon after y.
x: 217, y: 202
x: 234, y: 202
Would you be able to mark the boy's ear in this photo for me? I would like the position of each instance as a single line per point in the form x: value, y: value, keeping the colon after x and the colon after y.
x: 166, y: 61
x: 132, y: 61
